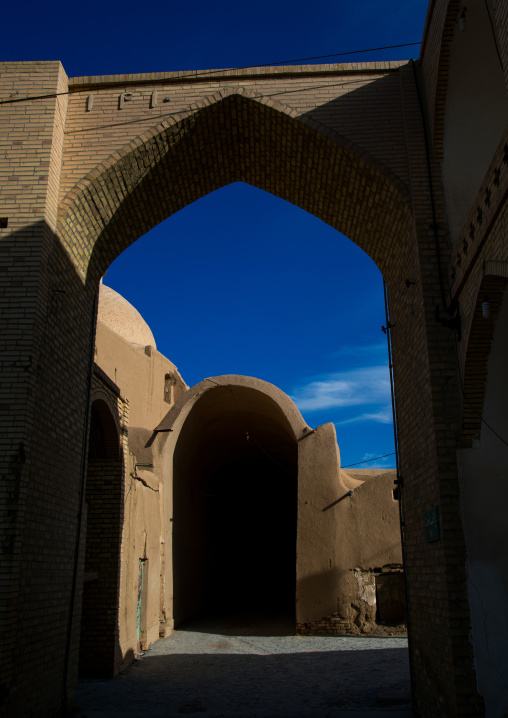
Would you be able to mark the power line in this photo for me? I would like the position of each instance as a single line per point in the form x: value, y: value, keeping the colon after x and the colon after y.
x: 305, y: 59
x: 366, y: 461
x: 202, y: 73
x: 160, y: 118
x: 193, y: 75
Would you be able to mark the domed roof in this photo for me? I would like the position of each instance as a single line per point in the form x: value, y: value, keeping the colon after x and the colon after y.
x: 122, y: 318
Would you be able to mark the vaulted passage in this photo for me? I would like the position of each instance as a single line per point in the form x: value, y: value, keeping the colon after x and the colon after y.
x: 234, y: 516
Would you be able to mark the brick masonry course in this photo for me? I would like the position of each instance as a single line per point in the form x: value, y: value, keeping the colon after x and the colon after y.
x: 85, y: 173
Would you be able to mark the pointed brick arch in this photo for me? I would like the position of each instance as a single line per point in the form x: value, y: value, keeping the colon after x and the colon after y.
x: 104, y: 440
x: 234, y: 136
x: 98, y: 652
x: 481, y: 335
x: 78, y: 190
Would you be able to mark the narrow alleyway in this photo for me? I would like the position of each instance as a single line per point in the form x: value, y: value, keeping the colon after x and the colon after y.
x: 229, y: 668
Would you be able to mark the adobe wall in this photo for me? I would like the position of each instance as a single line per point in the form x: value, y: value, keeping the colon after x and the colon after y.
x: 141, y: 375
x: 345, y: 527
x: 330, y: 537
x: 405, y: 234
x: 361, y: 162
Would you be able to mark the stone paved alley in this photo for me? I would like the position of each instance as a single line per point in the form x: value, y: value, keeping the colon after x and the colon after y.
x: 231, y: 670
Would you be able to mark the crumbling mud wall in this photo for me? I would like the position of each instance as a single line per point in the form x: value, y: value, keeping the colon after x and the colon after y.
x: 348, y: 535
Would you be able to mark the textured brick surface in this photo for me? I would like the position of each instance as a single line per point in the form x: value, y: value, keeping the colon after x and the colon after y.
x: 345, y: 143
x: 120, y: 316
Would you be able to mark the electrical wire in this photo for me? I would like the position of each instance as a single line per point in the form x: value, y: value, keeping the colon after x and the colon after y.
x: 202, y: 73
x: 160, y: 118
x: 390, y: 369
x: 242, y: 414
x: 366, y: 461
x: 305, y: 59
x: 399, y: 481
x: 250, y: 435
x: 494, y: 35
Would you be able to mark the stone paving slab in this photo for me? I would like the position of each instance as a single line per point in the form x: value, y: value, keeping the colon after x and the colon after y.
x: 212, y: 675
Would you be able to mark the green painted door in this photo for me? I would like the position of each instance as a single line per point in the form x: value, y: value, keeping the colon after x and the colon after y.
x: 140, y: 600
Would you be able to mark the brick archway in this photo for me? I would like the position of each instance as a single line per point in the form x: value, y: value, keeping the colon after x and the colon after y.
x: 98, y: 650
x: 233, y: 137
x: 356, y: 159
x: 481, y: 333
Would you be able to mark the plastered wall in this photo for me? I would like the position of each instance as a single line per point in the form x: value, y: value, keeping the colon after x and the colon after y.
x: 368, y: 162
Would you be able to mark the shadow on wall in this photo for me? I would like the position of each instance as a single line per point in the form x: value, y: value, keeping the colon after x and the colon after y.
x: 99, y: 653
x: 484, y: 493
x: 476, y: 111
x: 341, y: 116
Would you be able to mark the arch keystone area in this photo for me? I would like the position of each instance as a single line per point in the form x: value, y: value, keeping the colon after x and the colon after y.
x: 228, y: 137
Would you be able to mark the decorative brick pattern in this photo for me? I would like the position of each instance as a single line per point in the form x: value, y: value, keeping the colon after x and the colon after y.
x: 435, y: 59
x: 347, y: 144
x: 490, y: 201
x: 120, y: 316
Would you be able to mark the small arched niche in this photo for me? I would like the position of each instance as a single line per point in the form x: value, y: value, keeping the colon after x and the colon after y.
x: 103, y: 443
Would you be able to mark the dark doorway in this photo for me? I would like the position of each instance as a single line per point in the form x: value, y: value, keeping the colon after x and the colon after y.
x: 235, y: 491
x: 104, y: 517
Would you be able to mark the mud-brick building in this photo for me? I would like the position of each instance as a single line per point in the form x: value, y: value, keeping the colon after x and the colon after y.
x: 410, y: 161
x: 219, y: 500
x: 262, y: 521
x: 122, y: 550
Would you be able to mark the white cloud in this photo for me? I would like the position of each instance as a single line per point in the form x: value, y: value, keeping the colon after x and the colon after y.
x: 370, y: 461
x: 383, y: 416
x: 366, y: 386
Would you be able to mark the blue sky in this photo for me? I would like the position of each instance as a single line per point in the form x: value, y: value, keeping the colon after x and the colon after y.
x: 240, y: 281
